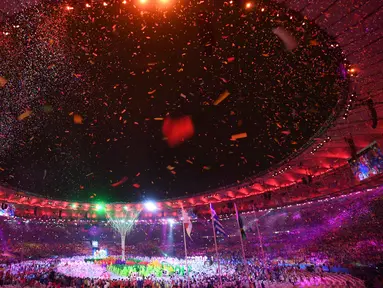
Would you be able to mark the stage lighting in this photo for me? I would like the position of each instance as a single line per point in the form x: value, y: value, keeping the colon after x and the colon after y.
x: 74, y: 206
x: 248, y: 5
x: 150, y: 206
x: 69, y: 8
x: 164, y: 1
x: 142, y: 1
x: 100, y: 207
x: 124, y: 2
x: 171, y: 221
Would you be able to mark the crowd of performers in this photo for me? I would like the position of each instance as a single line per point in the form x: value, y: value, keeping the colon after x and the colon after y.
x: 75, y: 272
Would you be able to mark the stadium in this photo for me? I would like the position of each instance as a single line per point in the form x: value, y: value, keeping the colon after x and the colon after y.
x: 182, y: 143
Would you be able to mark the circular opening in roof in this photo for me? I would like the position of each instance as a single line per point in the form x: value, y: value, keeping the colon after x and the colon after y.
x: 86, y: 90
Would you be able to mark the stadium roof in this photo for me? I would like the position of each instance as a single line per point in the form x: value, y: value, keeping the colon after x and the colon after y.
x: 357, y: 29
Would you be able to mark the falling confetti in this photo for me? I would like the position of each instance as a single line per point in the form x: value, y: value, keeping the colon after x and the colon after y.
x: 177, y: 130
x: 3, y: 82
x: 122, y: 181
x: 238, y: 136
x: 126, y: 81
x: 222, y: 97
x: 24, y: 115
x: 77, y: 119
x: 286, y: 37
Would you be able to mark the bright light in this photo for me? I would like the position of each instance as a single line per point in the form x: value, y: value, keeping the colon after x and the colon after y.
x: 74, y: 206
x: 124, y: 2
x: 69, y: 8
x: 171, y: 221
x: 100, y: 207
x: 126, y: 208
x: 87, y: 5
x: 105, y: 4
x: 150, y: 206
x: 249, y: 5
x: 142, y: 1
x: 164, y: 1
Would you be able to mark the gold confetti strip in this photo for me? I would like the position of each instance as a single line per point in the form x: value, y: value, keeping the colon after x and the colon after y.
x: 238, y: 136
x: 222, y: 97
x: 24, y: 115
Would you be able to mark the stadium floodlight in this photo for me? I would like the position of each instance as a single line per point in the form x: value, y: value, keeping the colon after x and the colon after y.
x: 150, y: 206
x: 100, y: 207
x: 171, y: 221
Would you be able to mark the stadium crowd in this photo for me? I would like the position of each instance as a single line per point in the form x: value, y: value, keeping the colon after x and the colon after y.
x: 203, y: 274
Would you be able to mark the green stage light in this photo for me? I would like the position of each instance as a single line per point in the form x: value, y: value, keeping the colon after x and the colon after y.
x: 100, y: 207
x: 74, y: 206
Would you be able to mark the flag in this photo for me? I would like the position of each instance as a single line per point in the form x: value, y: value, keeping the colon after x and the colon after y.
x: 216, y: 223
x: 240, y: 223
x: 187, y: 222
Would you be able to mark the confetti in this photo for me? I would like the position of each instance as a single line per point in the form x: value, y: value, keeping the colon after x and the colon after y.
x: 222, y: 97
x: 177, y: 130
x: 230, y: 59
x: 77, y: 119
x: 119, y: 74
x: 238, y: 136
x: 3, y: 82
x: 24, y: 115
x: 286, y: 37
x: 122, y: 181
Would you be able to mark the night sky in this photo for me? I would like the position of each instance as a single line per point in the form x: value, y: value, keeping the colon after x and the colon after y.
x: 87, y: 90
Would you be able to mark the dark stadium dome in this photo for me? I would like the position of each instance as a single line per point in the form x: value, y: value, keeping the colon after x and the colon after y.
x: 303, y: 119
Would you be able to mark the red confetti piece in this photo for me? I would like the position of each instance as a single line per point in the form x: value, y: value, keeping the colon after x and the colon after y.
x: 178, y: 130
x: 136, y: 185
x: 122, y: 181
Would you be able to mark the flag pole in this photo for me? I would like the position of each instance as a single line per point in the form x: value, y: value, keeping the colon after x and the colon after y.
x: 186, y: 251
x: 260, y: 238
x: 216, y: 250
x: 243, y: 249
